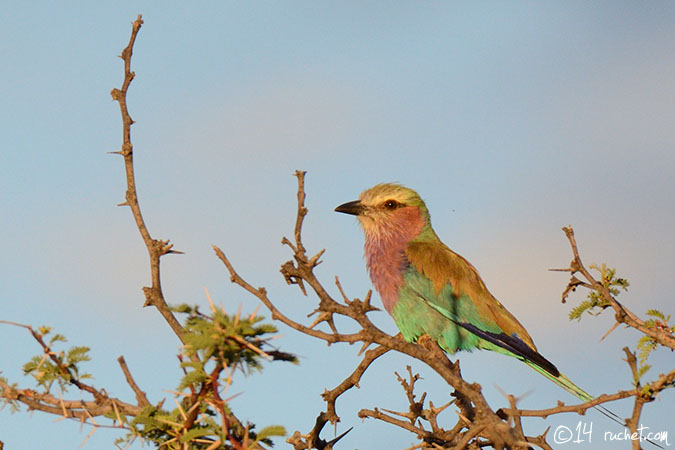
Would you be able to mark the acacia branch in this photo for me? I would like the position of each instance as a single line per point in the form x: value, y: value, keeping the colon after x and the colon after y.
x: 156, y: 248
x: 633, y: 422
x: 622, y: 314
x: 80, y: 409
x: 663, y: 382
x: 562, y: 408
x: 312, y: 440
x: 141, y: 398
x: 103, y: 404
x: 261, y: 294
x: 351, y: 381
x: 427, y: 436
x: 65, y: 371
x: 220, y: 406
x: 416, y: 413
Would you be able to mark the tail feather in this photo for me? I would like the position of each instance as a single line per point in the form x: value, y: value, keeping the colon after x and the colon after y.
x: 567, y: 384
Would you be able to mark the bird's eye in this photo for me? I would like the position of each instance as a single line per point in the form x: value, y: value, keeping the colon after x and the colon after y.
x: 391, y: 204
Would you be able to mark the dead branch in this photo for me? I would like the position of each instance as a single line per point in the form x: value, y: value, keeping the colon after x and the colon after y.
x: 79, y: 409
x: 351, y: 381
x: 141, y: 398
x: 562, y: 408
x: 156, y: 248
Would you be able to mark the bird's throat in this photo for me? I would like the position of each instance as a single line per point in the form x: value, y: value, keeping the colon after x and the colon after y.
x: 385, y: 252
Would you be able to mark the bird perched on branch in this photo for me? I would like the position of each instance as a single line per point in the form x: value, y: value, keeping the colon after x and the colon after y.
x: 429, y: 289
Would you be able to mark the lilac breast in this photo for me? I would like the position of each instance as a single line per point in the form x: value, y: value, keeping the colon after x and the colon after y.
x: 385, y: 252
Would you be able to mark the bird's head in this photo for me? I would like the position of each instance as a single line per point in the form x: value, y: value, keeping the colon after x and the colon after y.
x: 389, y: 209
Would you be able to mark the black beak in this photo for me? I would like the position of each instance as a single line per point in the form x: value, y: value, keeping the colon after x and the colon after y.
x: 354, y: 208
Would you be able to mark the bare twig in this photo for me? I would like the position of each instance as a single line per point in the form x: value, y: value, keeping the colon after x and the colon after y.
x: 562, y: 408
x: 141, y: 398
x: 261, y: 293
x: 73, y: 408
x: 375, y: 413
x: 156, y: 248
x: 302, y: 212
x: 312, y: 439
x: 634, y: 421
x: 351, y: 381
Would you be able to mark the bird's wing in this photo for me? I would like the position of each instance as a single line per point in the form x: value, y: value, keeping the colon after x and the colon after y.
x: 456, y: 281
x: 444, y: 267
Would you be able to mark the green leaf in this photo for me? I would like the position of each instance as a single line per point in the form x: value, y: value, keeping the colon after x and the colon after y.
x: 272, y: 430
x: 265, y: 329
x: 57, y: 338
x: 194, y: 377
x: 640, y: 372
x: 645, y: 346
x: 578, y: 311
x: 659, y: 315
x: 78, y: 354
x: 647, y: 390
x: 182, y: 308
x: 195, y: 433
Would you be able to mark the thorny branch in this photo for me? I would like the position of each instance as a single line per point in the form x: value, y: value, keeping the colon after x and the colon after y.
x: 156, y: 248
x: 622, y: 314
x: 351, y: 381
x: 416, y: 414
x: 141, y: 397
x: 103, y: 404
x: 661, y: 335
x: 77, y: 409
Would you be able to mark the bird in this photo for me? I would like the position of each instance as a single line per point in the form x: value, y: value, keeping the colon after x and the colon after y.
x: 431, y: 290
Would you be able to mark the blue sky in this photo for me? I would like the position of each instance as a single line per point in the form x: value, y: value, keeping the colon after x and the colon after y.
x: 511, y: 120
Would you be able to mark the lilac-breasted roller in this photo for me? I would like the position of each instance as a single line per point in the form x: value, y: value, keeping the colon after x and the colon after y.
x: 429, y: 289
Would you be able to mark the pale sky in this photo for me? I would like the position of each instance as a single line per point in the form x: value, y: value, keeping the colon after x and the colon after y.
x: 510, y: 119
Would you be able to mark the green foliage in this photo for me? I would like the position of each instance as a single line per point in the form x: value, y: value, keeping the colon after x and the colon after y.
x: 273, y: 430
x: 659, y: 320
x: 62, y: 367
x: 193, y: 377
x: 647, y: 344
x: 167, y: 429
x: 215, y: 345
x: 580, y: 309
x: 642, y: 369
x: 230, y: 340
x: 646, y: 391
x: 595, y: 303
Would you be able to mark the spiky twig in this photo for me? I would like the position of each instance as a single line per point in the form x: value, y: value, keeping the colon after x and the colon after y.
x: 156, y: 248
x: 622, y: 314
